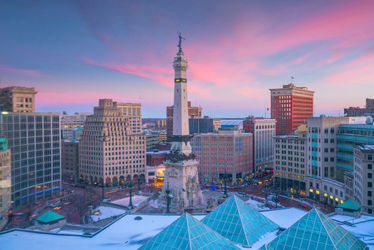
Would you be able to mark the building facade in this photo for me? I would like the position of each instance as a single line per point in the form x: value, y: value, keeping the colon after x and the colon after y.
x: 17, y: 99
x: 291, y: 106
x: 5, y: 182
x: 363, y: 177
x: 289, y: 163
x: 201, y: 125
x: 152, y: 140
x: 348, y: 136
x: 193, y: 112
x: 224, y: 154
x: 35, y: 143
x: 132, y: 111
x: 72, y: 125
x: 70, y: 160
x: 321, y: 179
x: 357, y: 111
x: 263, y: 131
x: 109, y: 152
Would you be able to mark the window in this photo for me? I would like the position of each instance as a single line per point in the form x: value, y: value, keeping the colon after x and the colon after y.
x: 370, y: 166
x: 370, y: 157
x: 370, y: 184
x: 370, y: 175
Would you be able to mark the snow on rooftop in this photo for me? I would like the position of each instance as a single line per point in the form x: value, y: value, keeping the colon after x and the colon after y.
x: 128, y: 233
x: 362, y: 227
x: 285, y: 217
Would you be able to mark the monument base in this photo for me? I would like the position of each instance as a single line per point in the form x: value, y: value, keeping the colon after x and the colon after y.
x: 181, y: 178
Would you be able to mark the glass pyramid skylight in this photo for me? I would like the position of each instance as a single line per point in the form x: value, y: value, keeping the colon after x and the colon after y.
x: 315, y: 231
x: 188, y: 233
x: 238, y: 222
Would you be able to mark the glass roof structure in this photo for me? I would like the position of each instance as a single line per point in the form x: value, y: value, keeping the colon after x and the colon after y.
x: 238, y: 222
x: 188, y: 233
x: 315, y: 231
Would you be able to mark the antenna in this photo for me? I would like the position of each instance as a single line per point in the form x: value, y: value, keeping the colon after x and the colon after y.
x: 292, y: 79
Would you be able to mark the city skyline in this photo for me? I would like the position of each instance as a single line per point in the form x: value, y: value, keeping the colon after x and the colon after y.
x: 75, y: 54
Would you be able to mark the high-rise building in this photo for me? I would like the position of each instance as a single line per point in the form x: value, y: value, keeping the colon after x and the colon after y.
x: 35, y: 143
x: 357, y: 111
x: 348, y: 136
x: 193, y: 112
x: 226, y: 154
x: 132, y: 111
x: 364, y: 177
x: 109, y: 152
x: 5, y: 182
x: 321, y: 183
x: 289, y: 164
x: 201, y: 125
x: 17, y: 99
x: 263, y: 131
x: 70, y: 160
x: 72, y: 125
x: 291, y: 106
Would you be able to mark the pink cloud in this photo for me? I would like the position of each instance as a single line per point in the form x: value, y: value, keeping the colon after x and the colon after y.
x: 27, y: 72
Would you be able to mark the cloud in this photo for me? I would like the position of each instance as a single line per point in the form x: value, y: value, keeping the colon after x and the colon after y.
x: 17, y: 71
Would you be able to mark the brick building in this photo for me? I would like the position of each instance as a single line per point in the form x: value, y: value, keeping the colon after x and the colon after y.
x: 291, y: 106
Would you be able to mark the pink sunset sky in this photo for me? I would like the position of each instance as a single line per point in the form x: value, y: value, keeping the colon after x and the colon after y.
x: 74, y: 53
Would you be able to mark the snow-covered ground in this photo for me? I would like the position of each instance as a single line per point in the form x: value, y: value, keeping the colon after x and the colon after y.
x: 136, y: 200
x: 256, y: 205
x: 106, y: 212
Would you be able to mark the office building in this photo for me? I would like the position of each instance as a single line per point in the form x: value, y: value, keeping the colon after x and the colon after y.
x: 363, y: 177
x: 291, y: 106
x: 152, y: 140
x: 70, y: 160
x: 109, y: 152
x: 5, y: 182
x: 193, y: 112
x: 17, y: 99
x: 162, y: 136
x: 263, y: 131
x: 132, y: 111
x: 348, y: 136
x: 201, y: 125
x: 289, y: 164
x: 72, y: 125
x: 35, y: 142
x: 321, y: 183
x: 357, y: 111
x: 226, y: 153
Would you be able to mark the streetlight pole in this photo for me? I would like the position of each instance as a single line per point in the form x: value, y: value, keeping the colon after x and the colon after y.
x: 167, y: 191
x: 138, y: 186
x: 130, y: 204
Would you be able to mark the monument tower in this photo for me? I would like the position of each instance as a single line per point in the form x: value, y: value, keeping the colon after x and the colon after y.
x: 181, y: 176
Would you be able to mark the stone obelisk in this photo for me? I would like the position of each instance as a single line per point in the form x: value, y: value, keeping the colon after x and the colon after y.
x: 181, y: 176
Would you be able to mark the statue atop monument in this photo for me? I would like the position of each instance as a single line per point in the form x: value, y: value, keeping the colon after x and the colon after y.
x: 180, y: 42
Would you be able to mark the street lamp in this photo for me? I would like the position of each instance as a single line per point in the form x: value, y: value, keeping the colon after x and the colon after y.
x: 130, y: 203
x: 168, y: 198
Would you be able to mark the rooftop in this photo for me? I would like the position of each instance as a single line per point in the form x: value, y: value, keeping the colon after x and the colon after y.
x: 366, y: 147
x: 349, y: 205
x: 49, y: 217
x: 130, y: 233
